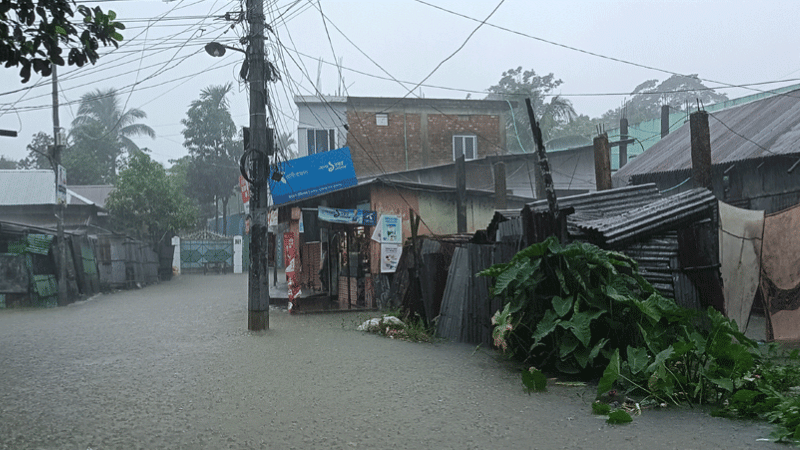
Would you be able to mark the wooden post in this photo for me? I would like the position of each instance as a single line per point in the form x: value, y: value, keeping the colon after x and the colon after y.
x: 544, y: 166
x: 623, y: 146
x: 461, y: 195
x: 602, y: 162
x: 701, y: 149
x: 500, y: 197
x: 664, y: 121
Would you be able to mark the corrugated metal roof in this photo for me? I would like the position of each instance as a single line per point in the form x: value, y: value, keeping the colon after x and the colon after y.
x: 96, y: 194
x: 27, y: 187
x: 611, y: 202
x: 666, y: 214
x: 765, y: 127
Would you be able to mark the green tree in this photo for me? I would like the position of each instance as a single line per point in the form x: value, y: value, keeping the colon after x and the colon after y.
x: 33, y: 34
x: 101, y: 136
x: 286, y: 144
x: 676, y: 91
x: 515, y: 86
x: 7, y: 164
x: 147, y: 202
x: 210, y: 136
x: 39, y: 152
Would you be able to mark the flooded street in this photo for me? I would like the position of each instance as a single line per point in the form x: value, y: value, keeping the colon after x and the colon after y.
x: 173, y: 366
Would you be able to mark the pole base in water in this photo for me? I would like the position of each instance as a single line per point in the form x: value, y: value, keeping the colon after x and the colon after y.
x: 257, y: 320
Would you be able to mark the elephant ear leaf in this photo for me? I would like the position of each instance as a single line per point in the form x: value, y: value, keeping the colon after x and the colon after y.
x: 610, y: 375
x: 562, y: 305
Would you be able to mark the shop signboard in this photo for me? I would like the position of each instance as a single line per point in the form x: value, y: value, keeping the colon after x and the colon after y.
x: 312, y: 175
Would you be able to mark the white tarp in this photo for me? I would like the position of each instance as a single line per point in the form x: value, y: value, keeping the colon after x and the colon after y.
x: 740, y: 235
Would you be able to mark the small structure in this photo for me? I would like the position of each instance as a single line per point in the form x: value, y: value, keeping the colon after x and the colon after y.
x: 754, y: 155
x: 343, y: 264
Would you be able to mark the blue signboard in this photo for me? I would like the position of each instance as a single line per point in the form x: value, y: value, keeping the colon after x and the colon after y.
x: 313, y: 175
x: 351, y: 216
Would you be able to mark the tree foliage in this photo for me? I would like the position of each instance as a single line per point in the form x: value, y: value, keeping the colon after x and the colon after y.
x: 676, y: 91
x: 101, y: 137
x: 7, y: 164
x: 210, y: 137
x: 33, y: 34
x: 515, y: 86
x: 147, y: 202
x: 39, y: 152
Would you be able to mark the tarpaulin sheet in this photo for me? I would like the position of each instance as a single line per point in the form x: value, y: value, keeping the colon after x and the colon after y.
x: 740, y: 234
x: 780, y: 273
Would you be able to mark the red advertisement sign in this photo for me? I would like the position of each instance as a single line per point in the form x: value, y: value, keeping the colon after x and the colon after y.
x: 292, y: 278
x: 244, y: 186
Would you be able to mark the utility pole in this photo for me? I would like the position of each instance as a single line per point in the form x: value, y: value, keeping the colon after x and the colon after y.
x: 461, y: 194
x: 258, y: 289
x: 602, y: 163
x: 59, y: 206
x: 701, y: 149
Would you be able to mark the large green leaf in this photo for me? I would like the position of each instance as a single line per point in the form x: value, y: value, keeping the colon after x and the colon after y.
x: 638, y: 358
x: 562, y: 305
x: 506, y: 277
x: 534, y: 380
x: 567, y: 344
x: 724, y: 383
x: 660, y: 358
x: 546, y: 325
x: 610, y: 375
x: 586, y: 356
x: 580, y: 325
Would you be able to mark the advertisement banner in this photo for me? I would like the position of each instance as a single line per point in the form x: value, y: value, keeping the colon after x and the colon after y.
x: 312, y: 175
x: 351, y: 216
x: 292, y: 277
x: 390, y: 257
x: 244, y: 187
x: 391, y: 229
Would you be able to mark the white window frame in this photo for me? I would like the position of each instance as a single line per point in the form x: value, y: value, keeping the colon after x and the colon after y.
x: 463, y: 138
x: 311, y: 138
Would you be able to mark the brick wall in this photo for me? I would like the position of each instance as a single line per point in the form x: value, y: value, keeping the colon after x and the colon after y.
x: 442, y: 128
x: 425, y: 139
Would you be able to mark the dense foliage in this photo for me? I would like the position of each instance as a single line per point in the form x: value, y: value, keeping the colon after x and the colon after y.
x: 147, y: 202
x: 551, y: 110
x: 210, y: 137
x: 579, y: 309
x: 33, y: 34
x: 101, y: 137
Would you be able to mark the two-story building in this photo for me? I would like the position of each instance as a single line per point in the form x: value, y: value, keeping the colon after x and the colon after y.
x: 388, y: 135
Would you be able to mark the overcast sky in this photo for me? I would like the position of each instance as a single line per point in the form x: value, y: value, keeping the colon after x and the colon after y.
x: 387, y: 47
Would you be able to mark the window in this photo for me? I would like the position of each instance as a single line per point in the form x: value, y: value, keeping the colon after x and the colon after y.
x: 321, y: 141
x: 465, y: 145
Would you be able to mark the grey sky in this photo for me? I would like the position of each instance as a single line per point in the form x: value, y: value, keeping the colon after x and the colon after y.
x: 162, y: 68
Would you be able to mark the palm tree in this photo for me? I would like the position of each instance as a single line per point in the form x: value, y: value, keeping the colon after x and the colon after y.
x: 105, y: 129
x: 210, y: 137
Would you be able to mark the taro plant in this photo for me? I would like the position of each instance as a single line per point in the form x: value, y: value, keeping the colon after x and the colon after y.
x: 579, y: 309
x: 567, y: 307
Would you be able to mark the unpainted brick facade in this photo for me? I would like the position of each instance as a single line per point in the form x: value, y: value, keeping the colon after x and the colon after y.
x: 418, y: 137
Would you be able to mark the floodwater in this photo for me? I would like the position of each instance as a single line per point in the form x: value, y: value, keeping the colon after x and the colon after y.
x: 173, y: 366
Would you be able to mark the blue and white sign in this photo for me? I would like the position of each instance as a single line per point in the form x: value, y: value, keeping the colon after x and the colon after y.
x: 313, y: 175
x: 352, y: 216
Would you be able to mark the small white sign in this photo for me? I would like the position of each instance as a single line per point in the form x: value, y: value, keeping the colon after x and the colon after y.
x: 61, y: 185
x: 390, y: 257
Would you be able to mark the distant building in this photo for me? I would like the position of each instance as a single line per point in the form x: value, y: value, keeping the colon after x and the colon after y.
x: 396, y: 134
x: 755, y: 155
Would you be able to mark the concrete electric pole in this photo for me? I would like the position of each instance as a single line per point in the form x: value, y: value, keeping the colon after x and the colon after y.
x: 258, y: 148
x: 258, y: 290
x: 60, y: 205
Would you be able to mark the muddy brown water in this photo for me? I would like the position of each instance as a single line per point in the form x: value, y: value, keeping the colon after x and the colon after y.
x: 172, y: 366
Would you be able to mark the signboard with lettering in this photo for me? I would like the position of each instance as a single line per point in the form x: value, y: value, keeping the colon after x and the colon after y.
x: 312, y: 175
x: 351, y: 216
